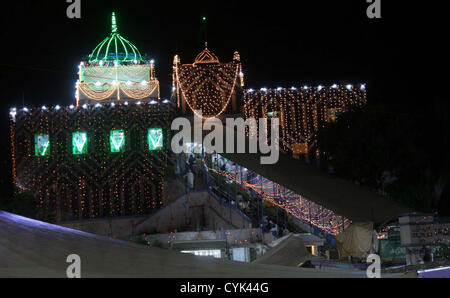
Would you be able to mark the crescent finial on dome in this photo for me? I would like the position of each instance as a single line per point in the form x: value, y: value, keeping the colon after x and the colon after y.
x: 115, y: 48
x: 113, y: 23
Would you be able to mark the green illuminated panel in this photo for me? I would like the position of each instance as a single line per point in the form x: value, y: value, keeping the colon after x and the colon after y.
x: 42, y: 145
x: 79, y: 143
x: 155, y: 138
x: 117, y: 140
x: 82, y: 76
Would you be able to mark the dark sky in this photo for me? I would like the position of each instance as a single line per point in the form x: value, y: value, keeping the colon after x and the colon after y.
x: 282, y: 43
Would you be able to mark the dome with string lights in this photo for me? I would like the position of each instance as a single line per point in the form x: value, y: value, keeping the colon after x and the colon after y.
x: 114, y: 71
x: 115, y: 48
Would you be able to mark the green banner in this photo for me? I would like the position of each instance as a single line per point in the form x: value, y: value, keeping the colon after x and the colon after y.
x: 390, y: 249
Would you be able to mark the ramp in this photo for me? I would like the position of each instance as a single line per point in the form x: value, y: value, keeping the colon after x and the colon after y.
x: 290, y: 252
x: 30, y: 248
x: 342, y: 197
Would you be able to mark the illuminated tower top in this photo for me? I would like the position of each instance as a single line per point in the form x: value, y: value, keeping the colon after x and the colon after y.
x: 116, y: 70
x: 208, y: 85
x: 115, y: 48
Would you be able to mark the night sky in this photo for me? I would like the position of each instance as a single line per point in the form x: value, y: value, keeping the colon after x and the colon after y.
x: 282, y: 43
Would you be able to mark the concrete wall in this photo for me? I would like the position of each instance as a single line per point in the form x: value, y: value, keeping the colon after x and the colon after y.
x: 192, y: 210
x: 182, y: 214
x: 110, y: 227
x: 238, y: 237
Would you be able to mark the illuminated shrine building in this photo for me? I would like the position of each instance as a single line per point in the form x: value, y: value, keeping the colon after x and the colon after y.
x: 91, y: 162
x: 106, y: 155
x: 116, y: 71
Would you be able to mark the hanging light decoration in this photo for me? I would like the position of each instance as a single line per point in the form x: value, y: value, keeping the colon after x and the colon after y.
x: 207, y: 84
x: 302, y: 112
x: 298, y: 206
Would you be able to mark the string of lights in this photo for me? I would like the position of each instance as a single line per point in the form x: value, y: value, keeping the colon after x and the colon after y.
x: 207, y: 84
x: 301, y: 208
x: 93, y: 161
x: 302, y: 111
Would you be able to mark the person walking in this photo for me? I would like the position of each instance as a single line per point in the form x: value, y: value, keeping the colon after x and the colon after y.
x: 190, y: 179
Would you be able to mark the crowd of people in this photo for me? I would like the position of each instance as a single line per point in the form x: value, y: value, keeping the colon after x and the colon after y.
x: 190, y: 167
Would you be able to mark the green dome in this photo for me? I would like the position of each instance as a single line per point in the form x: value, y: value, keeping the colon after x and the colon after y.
x: 115, y: 48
